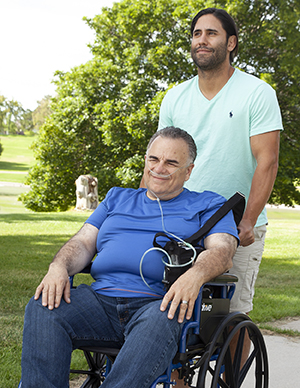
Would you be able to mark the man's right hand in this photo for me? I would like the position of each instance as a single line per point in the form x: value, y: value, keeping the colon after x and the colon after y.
x: 54, y: 286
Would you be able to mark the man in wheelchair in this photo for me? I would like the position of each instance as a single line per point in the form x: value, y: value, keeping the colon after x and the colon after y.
x: 127, y: 306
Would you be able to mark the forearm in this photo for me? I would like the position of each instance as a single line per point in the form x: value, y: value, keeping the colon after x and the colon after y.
x: 265, y: 148
x: 70, y: 259
x: 73, y: 256
x: 217, y: 258
x: 261, y: 189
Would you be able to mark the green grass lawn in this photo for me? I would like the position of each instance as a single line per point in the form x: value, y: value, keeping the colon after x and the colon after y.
x: 16, y: 158
x: 277, y: 292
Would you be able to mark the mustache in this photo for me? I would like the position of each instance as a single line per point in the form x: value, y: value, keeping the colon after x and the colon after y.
x: 203, y: 47
x: 159, y: 175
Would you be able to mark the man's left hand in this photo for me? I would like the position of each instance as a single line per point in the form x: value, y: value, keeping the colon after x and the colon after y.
x: 183, y: 293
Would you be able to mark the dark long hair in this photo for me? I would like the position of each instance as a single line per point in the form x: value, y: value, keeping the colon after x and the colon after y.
x: 227, y: 23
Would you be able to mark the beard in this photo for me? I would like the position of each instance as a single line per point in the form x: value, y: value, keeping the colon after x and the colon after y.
x: 212, y: 60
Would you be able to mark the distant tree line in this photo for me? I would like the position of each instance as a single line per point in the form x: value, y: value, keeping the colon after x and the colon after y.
x: 105, y: 111
x: 15, y: 120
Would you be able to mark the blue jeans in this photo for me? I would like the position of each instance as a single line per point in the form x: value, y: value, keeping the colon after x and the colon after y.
x: 150, y: 339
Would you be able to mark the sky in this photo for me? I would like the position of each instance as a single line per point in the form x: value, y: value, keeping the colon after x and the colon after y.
x: 39, y: 37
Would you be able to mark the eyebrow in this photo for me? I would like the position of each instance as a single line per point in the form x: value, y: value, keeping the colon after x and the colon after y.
x: 168, y: 160
x: 207, y: 29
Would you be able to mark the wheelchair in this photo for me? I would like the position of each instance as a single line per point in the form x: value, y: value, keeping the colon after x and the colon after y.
x: 204, y: 358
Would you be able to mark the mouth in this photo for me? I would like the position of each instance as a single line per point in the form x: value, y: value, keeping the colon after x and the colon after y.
x: 203, y: 50
x: 159, y: 176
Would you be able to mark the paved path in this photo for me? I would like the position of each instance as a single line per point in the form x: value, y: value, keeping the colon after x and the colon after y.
x: 284, y: 361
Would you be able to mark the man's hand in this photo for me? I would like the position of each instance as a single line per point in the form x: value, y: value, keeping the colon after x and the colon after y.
x: 185, y: 289
x: 216, y: 259
x: 76, y: 254
x: 54, y: 286
x: 246, y: 233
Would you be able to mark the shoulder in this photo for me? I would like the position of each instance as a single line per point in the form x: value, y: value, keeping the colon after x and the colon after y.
x: 250, y: 82
x: 119, y: 194
x: 205, y: 200
x: 182, y: 87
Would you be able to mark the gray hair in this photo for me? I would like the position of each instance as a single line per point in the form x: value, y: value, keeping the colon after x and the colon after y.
x: 176, y: 133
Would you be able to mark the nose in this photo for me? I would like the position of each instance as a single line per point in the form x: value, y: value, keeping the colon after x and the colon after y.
x: 159, y: 167
x: 202, y: 40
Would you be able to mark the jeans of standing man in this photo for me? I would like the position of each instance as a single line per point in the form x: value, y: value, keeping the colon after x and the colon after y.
x: 92, y: 319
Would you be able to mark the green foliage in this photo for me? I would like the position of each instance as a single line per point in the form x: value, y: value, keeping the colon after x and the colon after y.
x: 41, y: 112
x: 1, y: 148
x: 269, y: 48
x: 106, y: 110
x: 14, y: 119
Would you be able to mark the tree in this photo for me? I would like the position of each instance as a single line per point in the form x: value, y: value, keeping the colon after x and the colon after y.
x: 14, y: 119
x: 41, y: 112
x: 106, y: 110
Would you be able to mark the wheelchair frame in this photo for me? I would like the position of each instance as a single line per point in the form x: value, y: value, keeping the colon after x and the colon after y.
x: 210, y: 362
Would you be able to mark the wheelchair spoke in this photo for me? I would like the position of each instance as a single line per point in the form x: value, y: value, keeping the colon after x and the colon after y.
x: 239, y: 352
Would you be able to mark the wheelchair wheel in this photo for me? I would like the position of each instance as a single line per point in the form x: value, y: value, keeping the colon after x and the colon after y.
x: 95, y: 374
x: 223, y: 369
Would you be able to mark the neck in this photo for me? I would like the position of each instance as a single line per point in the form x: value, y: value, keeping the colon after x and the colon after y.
x: 165, y: 197
x: 212, y: 81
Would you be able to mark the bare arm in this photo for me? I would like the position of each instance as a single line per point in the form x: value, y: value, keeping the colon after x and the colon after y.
x: 76, y: 254
x: 265, y: 148
x: 216, y: 259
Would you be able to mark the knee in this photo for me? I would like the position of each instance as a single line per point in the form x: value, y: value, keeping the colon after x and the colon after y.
x: 164, y: 327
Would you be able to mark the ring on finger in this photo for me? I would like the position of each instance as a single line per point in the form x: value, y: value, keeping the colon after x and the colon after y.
x: 184, y: 302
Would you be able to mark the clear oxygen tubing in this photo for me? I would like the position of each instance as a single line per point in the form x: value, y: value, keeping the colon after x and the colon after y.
x: 184, y: 243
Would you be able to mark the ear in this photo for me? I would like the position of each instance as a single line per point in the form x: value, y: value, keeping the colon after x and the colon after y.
x: 231, y: 45
x: 189, y: 171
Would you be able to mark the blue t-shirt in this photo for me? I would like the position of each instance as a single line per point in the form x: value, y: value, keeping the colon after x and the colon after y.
x: 128, y: 221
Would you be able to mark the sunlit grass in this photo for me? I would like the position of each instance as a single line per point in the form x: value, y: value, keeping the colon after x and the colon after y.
x: 277, y: 292
x: 16, y: 158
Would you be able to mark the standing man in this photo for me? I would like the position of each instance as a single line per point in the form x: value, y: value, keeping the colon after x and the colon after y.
x: 235, y: 121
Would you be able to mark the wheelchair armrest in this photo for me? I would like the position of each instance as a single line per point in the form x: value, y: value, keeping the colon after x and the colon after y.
x: 86, y: 269
x: 224, y: 278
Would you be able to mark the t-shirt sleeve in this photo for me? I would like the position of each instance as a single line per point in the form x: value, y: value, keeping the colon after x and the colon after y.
x: 265, y: 113
x: 165, y: 117
x: 99, y: 215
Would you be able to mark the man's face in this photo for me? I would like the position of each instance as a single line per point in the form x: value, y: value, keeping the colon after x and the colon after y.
x: 210, y: 48
x: 167, y: 167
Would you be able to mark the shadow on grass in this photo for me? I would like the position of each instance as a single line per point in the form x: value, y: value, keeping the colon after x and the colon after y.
x: 10, y: 194
x: 12, y: 166
x: 34, y: 217
x: 24, y: 245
